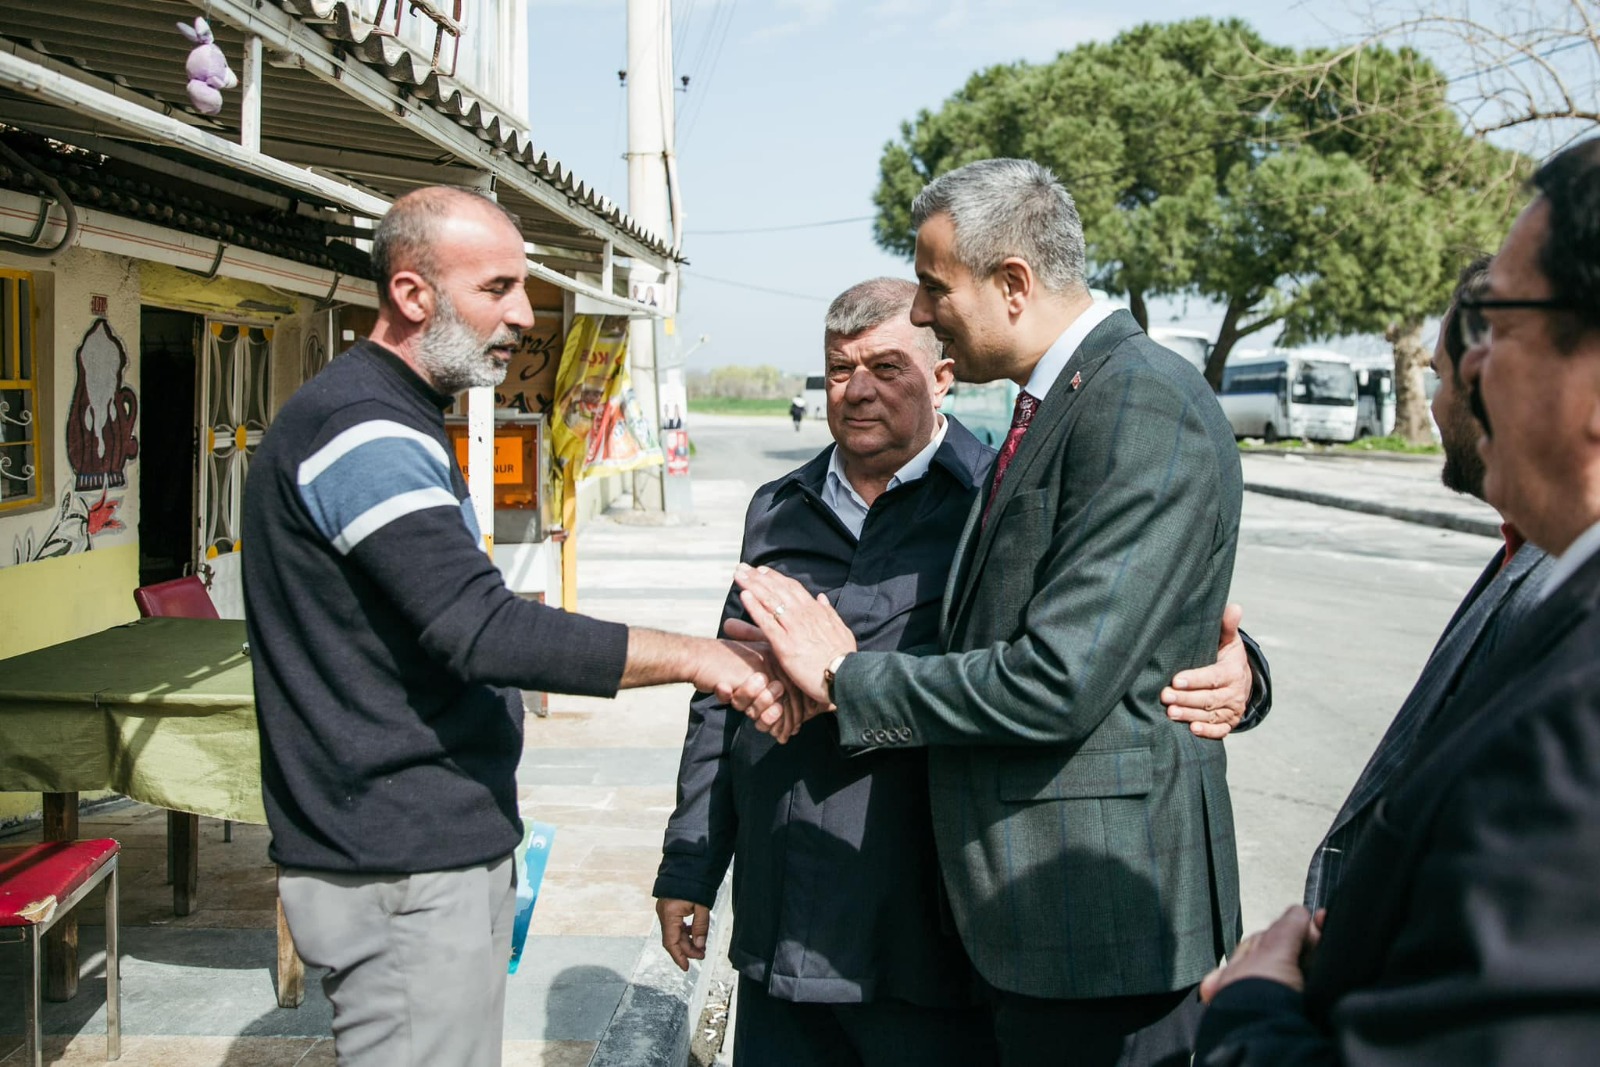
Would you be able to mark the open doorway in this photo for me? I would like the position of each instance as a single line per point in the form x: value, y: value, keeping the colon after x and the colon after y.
x: 168, y: 350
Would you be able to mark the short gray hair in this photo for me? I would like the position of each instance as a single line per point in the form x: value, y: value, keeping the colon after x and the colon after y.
x: 406, y: 234
x: 1009, y: 207
x: 872, y: 303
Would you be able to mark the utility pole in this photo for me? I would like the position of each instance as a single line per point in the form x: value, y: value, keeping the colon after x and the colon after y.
x: 651, y: 168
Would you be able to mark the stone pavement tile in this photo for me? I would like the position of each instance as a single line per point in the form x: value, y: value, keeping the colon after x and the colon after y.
x: 569, y: 899
x: 638, y: 808
x: 610, y: 726
x: 604, y: 767
x: 90, y: 1048
x: 546, y: 1053
x: 569, y: 987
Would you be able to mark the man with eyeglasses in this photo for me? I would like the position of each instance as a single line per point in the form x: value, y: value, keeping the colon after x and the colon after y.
x: 1498, y: 601
x: 1466, y: 927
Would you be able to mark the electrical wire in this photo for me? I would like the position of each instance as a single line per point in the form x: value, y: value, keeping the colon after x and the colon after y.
x: 705, y: 83
x: 754, y: 288
x: 780, y: 229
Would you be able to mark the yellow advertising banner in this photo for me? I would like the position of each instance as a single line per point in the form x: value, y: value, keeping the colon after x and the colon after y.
x: 598, y: 426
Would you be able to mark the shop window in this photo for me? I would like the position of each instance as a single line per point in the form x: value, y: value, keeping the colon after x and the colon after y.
x: 20, y: 478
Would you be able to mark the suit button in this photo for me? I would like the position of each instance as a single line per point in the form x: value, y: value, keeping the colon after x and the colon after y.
x: 905, y: 733
x: 866, y: 737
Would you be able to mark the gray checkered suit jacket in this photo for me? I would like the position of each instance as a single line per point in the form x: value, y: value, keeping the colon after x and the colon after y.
x: 1086, y: 840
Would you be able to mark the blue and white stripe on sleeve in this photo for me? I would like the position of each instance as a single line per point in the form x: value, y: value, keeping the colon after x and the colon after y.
x: 372, y: 474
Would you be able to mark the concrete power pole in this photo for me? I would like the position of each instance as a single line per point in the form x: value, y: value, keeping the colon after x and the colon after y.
x: 651, y: 139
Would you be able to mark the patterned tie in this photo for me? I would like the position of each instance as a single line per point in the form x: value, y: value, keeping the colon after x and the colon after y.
x: 1027, y: 404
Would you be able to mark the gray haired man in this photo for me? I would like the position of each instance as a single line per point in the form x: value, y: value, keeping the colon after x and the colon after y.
x: 1085, y: 838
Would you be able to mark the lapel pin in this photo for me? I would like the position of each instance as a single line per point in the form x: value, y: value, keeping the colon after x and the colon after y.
x: 1077, y: 380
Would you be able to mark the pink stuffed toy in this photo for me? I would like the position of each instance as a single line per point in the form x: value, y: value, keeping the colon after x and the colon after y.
x: 208, y: 69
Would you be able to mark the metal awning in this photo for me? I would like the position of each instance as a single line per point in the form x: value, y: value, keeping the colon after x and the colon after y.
x: 350, y: 117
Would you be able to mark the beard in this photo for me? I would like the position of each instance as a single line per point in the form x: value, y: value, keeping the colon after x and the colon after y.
x: 455, y: 357
x: 1463, y: 467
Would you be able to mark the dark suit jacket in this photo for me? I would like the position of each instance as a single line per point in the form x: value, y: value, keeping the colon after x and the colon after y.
x: 836, y: 885
x: 1467, y: 926
x: 1086, y: 840
x: 1493, y: 609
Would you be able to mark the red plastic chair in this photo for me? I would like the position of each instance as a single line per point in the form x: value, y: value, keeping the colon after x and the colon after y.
x: 181, y: 598
x: 39, y: 886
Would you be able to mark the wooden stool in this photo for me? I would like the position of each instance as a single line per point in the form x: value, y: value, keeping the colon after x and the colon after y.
x: 39, y: 886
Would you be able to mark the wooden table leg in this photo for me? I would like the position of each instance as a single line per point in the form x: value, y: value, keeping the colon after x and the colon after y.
x: 183, y: 845
x: 61, y: 943
x: 291, y: 971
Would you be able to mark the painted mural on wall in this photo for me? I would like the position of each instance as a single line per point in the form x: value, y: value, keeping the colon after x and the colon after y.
x: 101, y: 442
x: 104, y: 412
x: 78, y: 519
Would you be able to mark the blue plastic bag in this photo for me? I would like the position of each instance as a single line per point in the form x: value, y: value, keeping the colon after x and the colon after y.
x: 531, y: 857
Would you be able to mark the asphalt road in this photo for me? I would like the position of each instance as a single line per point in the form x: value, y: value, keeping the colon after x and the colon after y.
x: 1347, y: 607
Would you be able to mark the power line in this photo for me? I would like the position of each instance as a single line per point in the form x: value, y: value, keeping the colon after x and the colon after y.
x: 755, y: 288
x: 780, y: 229
x: 711, y: 70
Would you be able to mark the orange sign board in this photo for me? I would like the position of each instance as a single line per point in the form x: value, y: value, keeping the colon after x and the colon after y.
x: 507, y: 458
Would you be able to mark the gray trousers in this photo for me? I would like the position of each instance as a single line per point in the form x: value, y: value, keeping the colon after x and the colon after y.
x: 416, y: 963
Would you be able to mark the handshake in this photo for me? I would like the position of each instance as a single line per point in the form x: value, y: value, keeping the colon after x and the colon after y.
x: 782, y: 662
x: 777, y: 663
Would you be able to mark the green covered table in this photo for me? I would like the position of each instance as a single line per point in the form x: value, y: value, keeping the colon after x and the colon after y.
x: 160, y: 710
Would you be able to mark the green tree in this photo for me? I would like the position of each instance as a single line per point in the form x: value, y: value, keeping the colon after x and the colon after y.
x: 1196, y: 174
x: 1435, y: 196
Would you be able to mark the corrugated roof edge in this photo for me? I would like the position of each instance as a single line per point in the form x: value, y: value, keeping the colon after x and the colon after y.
x: 335, y: 20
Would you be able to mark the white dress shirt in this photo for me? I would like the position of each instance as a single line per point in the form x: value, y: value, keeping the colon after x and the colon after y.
x: 1577, y: 554
x: 842, y: 498
x: 1058, y: 355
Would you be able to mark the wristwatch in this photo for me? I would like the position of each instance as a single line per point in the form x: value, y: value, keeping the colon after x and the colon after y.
x: 830, y: 672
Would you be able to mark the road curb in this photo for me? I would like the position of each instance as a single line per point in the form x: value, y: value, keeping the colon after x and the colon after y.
x: 1382, y: 457
x: 653, y: 1025
x: 1442, y: 520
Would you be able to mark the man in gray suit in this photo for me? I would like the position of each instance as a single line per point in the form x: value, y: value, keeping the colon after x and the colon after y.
x: 1503, y: 595
x: 1085, y: 839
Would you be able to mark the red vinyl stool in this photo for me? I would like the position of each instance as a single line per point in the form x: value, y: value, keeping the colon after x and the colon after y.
x: 40, y: 885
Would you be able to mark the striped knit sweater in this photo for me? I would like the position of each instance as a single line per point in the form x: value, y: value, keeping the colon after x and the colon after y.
x: 381, y: 635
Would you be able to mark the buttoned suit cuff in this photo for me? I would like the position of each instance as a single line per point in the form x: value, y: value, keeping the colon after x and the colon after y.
x: 860, y: 730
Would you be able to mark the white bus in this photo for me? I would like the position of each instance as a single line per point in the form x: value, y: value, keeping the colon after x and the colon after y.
x: 816, y: 395
x: 1307, y: 393
x: 1192, y: 345
x: 1375, y: 400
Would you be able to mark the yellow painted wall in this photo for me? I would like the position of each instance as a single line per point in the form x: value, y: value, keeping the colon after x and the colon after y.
x: 37, y: 614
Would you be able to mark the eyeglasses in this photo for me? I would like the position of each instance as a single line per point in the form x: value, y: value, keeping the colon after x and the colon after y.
x: 1472, y: 329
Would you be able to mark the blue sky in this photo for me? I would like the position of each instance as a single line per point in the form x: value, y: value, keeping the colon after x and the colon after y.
x: 789, y: 106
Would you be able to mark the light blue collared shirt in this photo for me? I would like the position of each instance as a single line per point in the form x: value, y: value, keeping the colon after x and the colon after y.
x: 1058, y: 355
x: 842, y: 498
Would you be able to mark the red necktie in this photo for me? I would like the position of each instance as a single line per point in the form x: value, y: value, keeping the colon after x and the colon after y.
x: 1027, y: 404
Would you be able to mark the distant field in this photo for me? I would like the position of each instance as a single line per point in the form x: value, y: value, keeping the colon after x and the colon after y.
x: 725, y: 405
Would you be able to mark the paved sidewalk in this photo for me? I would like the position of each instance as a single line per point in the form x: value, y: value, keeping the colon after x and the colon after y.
x: 594, y: 988
x: 1405, y: 488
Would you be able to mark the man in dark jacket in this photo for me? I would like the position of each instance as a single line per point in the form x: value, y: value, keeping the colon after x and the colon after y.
x: 845, y: 950
x: 1464, y: 929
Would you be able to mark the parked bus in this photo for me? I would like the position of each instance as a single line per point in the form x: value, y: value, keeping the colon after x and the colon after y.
x: 1304, y: 392
x: 1374, y: 401
x: 817, y: 396
x: 1192, y: 345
